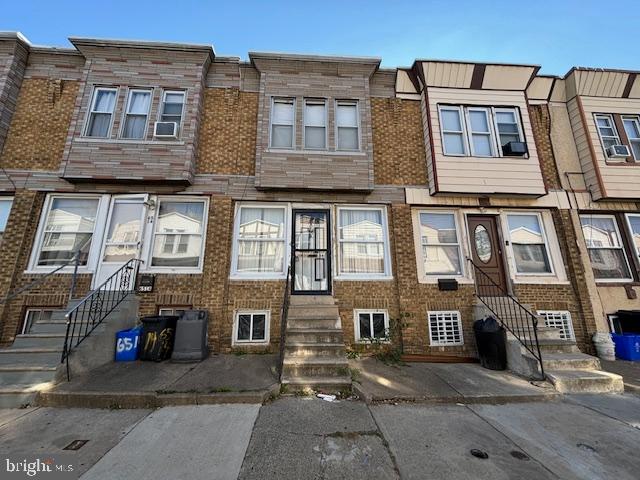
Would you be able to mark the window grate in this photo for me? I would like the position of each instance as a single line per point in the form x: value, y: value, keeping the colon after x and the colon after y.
x: 445, y: 328
x: 560, y: 319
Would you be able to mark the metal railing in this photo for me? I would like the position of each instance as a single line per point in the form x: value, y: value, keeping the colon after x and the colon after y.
x: 512, y: 315
x: 284, y: 313
x: 97, y: 305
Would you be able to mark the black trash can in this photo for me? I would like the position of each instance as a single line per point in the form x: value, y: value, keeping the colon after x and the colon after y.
x: 491, y: 340
x: 191, y: 337
x: 158, y: 335
x: 627, y: 321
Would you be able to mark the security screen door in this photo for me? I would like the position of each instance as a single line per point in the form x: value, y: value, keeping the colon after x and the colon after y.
x: 311, y: 252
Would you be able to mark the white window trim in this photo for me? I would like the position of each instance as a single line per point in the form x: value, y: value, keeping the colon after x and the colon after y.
x: 267, y: 327
x: 150, y: 236
x: 545, y: 239
x: 636, y: 120
x: 355, y: 103
x: 314, y: 101
x: 465, y: 139
x: 170, y: 310
x: 491, y: 134
x: 96, y: 240
x: 161, y: 107
x: 274, y: 100
x: 433, y: 277
x: 125, y: 113
x: 628, y: 220
x: 90, y: 111
x: 622, y: 247
x: 433, y: 343
x: 387, y: 275
x: 10, y: 200
x: 356, y: 325
x: 235, y: 274
x: 616, y: 136
x: 516, y: 114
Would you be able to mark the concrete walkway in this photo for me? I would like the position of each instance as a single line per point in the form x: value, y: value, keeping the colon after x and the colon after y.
x: 442, y: 383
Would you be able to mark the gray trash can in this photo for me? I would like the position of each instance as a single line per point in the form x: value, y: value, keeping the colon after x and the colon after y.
x: 191, y: 337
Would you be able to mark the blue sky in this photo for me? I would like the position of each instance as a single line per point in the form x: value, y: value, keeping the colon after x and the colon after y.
x: 555, y: 34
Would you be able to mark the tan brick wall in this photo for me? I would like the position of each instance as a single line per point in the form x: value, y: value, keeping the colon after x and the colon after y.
x: 40, y: 124
x: 228, y: 129
x: 398, y: 142
x: 541, y: 126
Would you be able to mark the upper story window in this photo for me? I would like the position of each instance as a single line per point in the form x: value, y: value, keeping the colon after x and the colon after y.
x: 315, y: 124
x: 347, y: 136
x: 440, y: 243
x: 136, y: 114
x: 171, y: 109
x: 282, y: 123
x: 101, y: 112
x: 529, y: 243
x: 5, y: 209
x: 606, y: 250
x: 632, y: 129
x: 607, y: 131
x: 482, y: 131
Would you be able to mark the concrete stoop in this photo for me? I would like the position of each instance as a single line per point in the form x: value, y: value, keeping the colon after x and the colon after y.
x: 32, y: 363
x: 315, y: 355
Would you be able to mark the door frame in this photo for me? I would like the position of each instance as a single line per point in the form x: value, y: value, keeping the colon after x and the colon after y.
x: 327, y: 212
x: 499, y: 240
x: 143, y: 197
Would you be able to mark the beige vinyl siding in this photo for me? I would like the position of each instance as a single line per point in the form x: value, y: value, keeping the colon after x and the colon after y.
x: 582, y: 144
x: 517, y: 175
x: 448, y: 74
x: 600, y: 83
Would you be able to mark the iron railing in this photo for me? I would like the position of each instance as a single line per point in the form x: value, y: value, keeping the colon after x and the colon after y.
x: 284, y: 313
x: 511, y: 314
x: 96, y: 306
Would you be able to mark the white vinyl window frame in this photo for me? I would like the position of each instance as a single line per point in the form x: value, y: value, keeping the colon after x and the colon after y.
x: 126, y: 113
x: 338, y: 275
x: 91, y: 111
x: 462, y: 132
x: 635, y: 140
x: 620, y: 247
x: 164, y: 102
x: 173, y: 310
x: 458, y: 244
x: 518, y: 122
x: 314, y: 102
x: 489, y: 133
x: 356, y: 325
x: 272, y: 122
x: 441, y: 317
x: 628, y: 218
x: 615, y: 138
x: 356, y: 127
x: 545, y: 242
x: 237, y: 275
x: 96, y: 239
x: 251, y: 341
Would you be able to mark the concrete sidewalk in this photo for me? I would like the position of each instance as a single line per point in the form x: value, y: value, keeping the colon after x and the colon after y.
x: 630, y: 371
x: 218, y: 379
x: 375, y: 381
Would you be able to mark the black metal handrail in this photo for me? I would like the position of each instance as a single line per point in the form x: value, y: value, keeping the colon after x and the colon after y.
x: 284, y: 313
x: 512, y: 315
x: 97, y: 305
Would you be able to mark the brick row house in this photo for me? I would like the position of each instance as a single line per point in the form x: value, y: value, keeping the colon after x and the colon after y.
x: 385, y: 193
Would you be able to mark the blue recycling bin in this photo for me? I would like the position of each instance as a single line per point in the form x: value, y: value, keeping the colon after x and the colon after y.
x: 127, y: 343
x: 627, y: 346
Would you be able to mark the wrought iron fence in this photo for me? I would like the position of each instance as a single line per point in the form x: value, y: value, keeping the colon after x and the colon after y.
x: 284, y: 313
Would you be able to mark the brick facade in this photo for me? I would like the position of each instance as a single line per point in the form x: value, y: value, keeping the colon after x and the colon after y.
x: 541, y: 126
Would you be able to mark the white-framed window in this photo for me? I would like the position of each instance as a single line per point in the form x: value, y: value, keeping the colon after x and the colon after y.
x: 560, y: 319
x: 363, y: 246
x: 454, y: 140
x: 607, y: 131
x: 67, y: 225
x: 440, y: 242
x: 347, y: 121
x: 445, y: 328
x: 480, y: 132
x: 633, y: 221
x: 136, y: 114
x: 529, y: 244
x: 172, y: 310
x: 172, y: 106
x: 282, y: 131
x: 34, y: 315
x: 178, y: 233
x: 632, y: 129
x: 259, y: 248
x: 315, y: 124
x: 371, y: 325
x: 5, y: 210
x: 100, y: 116
x: 606, y: 250
x: 508, y: 128
x: 251, y: 327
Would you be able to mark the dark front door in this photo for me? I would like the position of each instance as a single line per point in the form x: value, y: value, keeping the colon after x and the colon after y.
x: 311, y: 252
x: 486, y: 249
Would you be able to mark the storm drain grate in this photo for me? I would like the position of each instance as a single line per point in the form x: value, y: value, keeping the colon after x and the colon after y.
x: 76, y: 445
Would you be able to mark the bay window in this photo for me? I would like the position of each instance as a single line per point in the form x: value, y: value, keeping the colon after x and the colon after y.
x: 101, y: 112
x: 480, y: 132
x: 362, y: 242
x: 135, y: 117
x: 282, y: 123
x: 347, y: 137
x: 606, y: 251
x: 440, y: 243
x: 315, y: 124
x: 453, y: 135
x: 529, y: 244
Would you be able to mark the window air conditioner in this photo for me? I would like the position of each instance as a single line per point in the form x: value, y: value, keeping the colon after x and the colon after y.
x: 165, y: 130
x: 618, y: 151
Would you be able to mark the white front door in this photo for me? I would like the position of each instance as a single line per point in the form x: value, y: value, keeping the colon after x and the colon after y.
x: 123, y: 235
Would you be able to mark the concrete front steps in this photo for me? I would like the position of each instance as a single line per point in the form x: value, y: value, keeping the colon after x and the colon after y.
x: 314, y: 356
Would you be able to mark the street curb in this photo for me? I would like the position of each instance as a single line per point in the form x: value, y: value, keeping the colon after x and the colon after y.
x: 133, y: 400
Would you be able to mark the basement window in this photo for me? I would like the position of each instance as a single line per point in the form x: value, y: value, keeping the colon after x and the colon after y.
x: 445, y: 328
x: 251, y: 327
x: 179, y: 311
x: 371, y: 325
x: 32, y: 317
x: 560, y: 319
